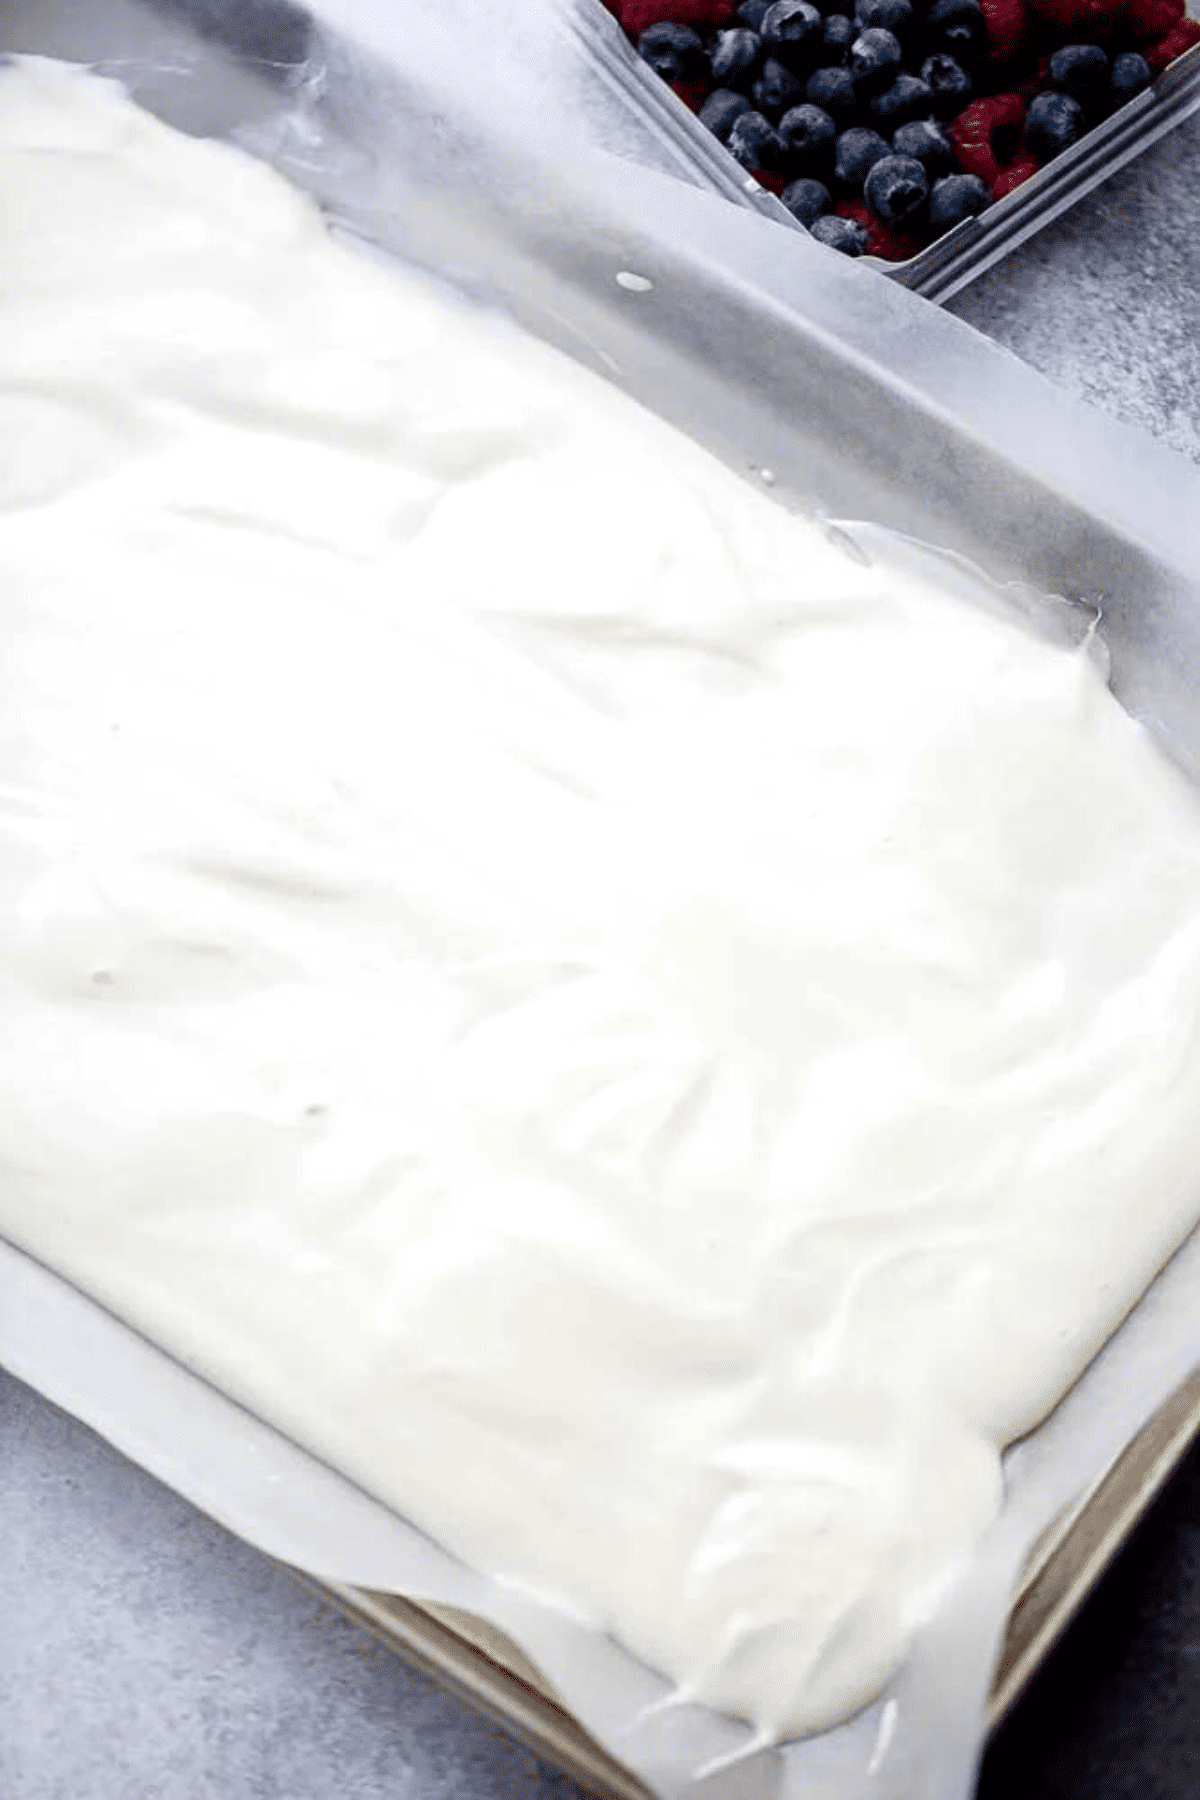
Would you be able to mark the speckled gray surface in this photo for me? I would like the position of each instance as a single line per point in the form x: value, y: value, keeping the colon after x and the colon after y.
x: 144, y: 1652
x: 1106, y: 300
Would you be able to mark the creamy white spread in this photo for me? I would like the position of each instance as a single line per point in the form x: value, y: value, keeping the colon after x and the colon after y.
x: 650, y: 1044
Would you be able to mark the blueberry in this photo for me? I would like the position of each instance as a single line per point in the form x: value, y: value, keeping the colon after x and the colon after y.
x: 753, y: 12
x: 755, y: 142
x: 846, y: 235
x: 792, y: 33
x: 908, y: 98
x: 875, y: 59
x: 950, y: 83
x: 1130, y: 74
x: 1052, y: 125
x: 776, y: 89
x: 673, y: 51
x: 957, y: 28
x: 1081, y: 70
x: 837, y: 37
x: 957, y: 197
x: 856, y: 152
x: 929, y: 143
x: 887, y: 15
x: 809, y: 135
x: 734, y: 57
x: 806, y: 200
x: 833, y: 90
x: 896, y: 187
x: 721, y: 109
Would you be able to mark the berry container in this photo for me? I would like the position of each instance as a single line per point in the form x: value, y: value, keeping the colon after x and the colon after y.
x: 955, y: 259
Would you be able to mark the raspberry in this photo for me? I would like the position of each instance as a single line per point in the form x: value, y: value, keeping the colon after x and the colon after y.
x: 882, y: 240
x: 976, y: 158
x: 974, y: 132
x: 1018, y: 171
x: 1181, y: 38
x: 1149, y: 20
x: 638, y: 15
x: 1082, y: 21
x: 1006, y: 23
x: 1005, y: 112
x: 692, y: 93
x: 774, y: 180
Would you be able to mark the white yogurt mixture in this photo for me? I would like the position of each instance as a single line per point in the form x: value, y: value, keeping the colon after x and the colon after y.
x: 655, y: 1047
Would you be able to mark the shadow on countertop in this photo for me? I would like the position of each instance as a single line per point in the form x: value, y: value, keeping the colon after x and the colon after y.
x: 1116, y: 1710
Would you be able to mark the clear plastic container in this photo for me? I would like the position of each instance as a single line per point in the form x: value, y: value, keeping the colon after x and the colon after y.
x: 952, y: 261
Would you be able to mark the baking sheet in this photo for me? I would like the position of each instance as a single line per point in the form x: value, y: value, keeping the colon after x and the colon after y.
x: 930, y: 1726
x: 857, y: 399
x: 485, y: 1669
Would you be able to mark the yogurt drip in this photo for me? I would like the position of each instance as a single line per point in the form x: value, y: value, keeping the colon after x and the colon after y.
x: 653, y: 1046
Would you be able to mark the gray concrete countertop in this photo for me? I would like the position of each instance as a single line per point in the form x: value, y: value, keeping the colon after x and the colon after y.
x: 144, y: 1652
x: 1106, y: 300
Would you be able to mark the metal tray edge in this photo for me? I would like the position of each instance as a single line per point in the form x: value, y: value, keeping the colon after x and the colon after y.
x: 1069, y: 1561
x: 473, y: 1661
